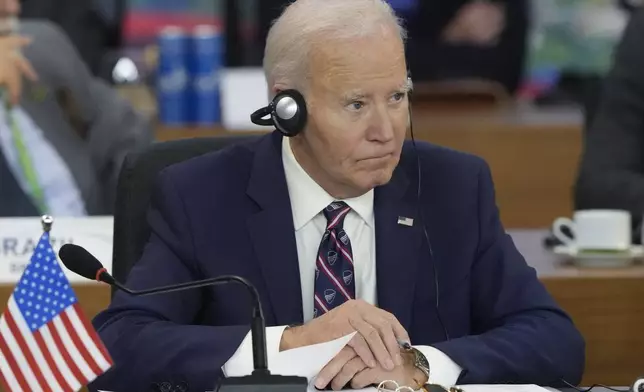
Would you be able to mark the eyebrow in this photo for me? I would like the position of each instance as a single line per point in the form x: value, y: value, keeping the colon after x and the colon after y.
x: 405, y: 87
x: 353, y: 95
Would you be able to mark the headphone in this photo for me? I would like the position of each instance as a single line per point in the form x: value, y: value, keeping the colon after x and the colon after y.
x: 288, y: 114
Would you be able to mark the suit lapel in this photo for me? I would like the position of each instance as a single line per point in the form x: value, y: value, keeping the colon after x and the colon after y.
x: 272, y: 232
x: 397, y: 246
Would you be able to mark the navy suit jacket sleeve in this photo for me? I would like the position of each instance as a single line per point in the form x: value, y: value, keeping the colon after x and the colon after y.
x: 519, y: 334
x: 150, y: 338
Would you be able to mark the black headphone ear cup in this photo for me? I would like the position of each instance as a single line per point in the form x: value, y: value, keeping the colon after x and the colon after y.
x: 288, y: 111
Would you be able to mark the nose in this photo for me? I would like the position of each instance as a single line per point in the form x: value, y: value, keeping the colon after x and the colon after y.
x: 381, y: 128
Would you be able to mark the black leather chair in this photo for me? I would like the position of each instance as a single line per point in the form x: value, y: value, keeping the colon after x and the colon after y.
x: 134, y: 187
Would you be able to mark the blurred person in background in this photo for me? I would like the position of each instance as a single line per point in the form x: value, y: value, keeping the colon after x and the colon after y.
x: 611, y: 173
x: 454, y: 39
x: 63, y: 133
x: 93, y: 26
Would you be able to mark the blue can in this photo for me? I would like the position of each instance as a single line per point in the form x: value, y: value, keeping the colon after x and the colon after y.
x: 172, y: 77
x: 206, y: 62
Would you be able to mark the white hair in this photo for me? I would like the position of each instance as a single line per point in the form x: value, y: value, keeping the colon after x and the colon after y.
x: 307, y: 22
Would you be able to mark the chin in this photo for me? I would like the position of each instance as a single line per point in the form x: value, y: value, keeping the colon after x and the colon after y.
x: 379, y: 178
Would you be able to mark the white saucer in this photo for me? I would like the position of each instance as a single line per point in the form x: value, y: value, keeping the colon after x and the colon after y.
x: 600, y: 260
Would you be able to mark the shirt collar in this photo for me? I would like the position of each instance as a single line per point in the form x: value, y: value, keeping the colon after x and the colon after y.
x: 308, y: 198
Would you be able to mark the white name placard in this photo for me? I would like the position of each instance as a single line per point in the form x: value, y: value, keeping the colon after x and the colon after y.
x: 19, y: 236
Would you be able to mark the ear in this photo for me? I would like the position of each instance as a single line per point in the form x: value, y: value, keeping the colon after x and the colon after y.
x: 278, y: 88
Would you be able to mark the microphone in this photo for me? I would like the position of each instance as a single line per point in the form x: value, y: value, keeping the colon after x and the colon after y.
x: 78, y: 260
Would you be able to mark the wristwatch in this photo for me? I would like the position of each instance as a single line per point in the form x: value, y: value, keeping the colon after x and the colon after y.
x: 421, y: 363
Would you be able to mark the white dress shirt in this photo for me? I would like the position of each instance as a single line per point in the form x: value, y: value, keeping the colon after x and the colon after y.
x: 308, y: 200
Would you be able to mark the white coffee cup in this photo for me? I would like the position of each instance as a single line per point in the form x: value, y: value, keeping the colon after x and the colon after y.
x: 596, y: 230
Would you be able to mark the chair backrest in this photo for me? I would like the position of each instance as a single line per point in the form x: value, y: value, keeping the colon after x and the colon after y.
x: 134, y: 187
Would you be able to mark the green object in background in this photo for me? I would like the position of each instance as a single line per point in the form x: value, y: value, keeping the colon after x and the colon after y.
x: 26, y: 164
x: 576, y: 36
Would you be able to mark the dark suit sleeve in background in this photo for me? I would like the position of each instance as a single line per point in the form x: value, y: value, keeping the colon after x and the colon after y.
x: 611, y: 174
x: 519, y: 334
x: 150, y: 338
x: 111, y: 127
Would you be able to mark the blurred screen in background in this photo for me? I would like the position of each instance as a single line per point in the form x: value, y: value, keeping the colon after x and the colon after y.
x: 571, y: 38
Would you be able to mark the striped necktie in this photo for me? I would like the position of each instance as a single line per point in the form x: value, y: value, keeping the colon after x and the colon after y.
x: 334, y: 273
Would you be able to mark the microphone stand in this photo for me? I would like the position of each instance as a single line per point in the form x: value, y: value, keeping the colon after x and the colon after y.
x: 261, y: 379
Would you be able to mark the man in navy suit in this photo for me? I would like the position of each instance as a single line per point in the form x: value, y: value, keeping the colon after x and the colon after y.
x: 339, y: 234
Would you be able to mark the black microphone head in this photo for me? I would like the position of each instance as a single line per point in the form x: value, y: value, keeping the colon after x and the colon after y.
x: 77, y: 259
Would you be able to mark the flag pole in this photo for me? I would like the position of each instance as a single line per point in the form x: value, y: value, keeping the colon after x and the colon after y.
x: 47, y: 221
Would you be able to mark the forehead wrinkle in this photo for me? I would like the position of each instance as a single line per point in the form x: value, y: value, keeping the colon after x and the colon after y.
x: 336, y: 67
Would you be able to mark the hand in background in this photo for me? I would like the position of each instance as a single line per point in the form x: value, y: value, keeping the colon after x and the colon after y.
x: 347, y: 368
x: 479, y: 22
x: 13, y: 66
x: 376, y: 342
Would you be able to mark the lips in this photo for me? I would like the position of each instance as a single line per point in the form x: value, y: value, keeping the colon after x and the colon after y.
x: 377, y: 158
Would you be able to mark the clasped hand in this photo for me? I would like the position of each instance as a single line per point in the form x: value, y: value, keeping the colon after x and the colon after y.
x: 371, y: 356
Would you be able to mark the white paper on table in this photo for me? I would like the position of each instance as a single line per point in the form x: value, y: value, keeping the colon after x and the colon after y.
x: 503, y: 388
x: 468, y: 388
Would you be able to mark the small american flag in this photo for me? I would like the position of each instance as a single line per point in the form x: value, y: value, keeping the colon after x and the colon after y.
x: 403, y: 220
x: 46, y: 343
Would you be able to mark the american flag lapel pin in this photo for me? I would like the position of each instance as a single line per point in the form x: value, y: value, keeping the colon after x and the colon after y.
x: 405, y: 221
